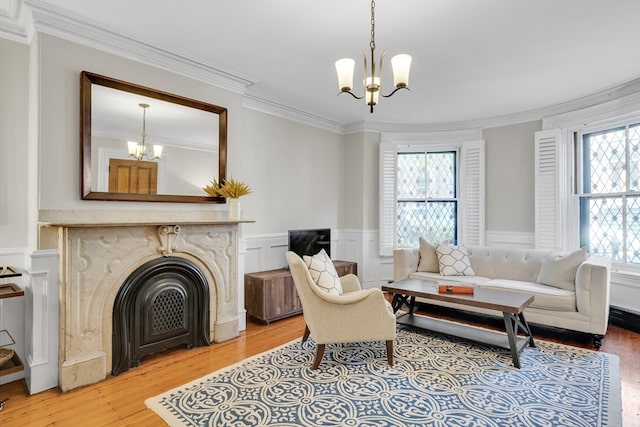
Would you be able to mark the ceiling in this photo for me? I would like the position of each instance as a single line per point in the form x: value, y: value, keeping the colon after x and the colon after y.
x: 471, y: 59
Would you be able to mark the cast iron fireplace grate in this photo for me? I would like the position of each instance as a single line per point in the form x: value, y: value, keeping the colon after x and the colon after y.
x: 162, y: 305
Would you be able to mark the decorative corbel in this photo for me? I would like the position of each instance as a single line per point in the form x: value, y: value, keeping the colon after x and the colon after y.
x: 168, y: 235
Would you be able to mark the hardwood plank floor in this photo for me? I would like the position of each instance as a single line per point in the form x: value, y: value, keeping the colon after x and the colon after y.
x: 119, y: 401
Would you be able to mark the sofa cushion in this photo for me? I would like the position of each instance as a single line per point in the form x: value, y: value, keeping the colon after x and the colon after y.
x: 428, y: 257
x: 560, y: 270
x: 454, y: 261
x: 323, y: 272
x: 545, y: 297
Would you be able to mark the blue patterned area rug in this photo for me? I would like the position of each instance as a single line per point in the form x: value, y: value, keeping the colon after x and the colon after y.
x: 435, y: 381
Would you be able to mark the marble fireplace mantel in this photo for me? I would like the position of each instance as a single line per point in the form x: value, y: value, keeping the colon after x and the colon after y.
x: 99, y: 249
x: 88, y: 218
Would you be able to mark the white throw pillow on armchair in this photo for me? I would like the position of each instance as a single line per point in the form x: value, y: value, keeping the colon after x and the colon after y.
x: 323, y: 272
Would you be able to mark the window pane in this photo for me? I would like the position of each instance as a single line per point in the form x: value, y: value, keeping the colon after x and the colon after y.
x: 633, y: 230
x: 441, y: 222
x: 441, y: 174
x: 411, y: 223
x: 605, y: 154
x: 602, y: 230
x: 411, y: 176
x: 634, y: 157
x: 435, y: 221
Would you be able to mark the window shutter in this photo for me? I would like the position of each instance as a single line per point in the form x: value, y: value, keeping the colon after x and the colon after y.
x: 472, y: 193
x: 547, y: 171
x: 387, y: 198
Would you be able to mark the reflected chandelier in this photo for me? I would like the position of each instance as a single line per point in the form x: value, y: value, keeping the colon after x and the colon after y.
x: 372, y: 82
x: 139, y: 150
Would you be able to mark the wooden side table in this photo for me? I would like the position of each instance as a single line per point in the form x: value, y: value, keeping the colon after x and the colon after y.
x: 271, y: 295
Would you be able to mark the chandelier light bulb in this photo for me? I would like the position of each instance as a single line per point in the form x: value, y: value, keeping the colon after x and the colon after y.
x: 401, y: 65
x: 344, y: 68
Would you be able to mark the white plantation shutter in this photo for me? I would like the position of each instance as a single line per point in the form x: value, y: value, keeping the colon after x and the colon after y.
x: 471, y: 200
x: 548, y: 169
x: 387, y: 198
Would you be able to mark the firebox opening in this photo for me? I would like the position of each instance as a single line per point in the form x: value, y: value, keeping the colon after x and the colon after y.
x: 162, y: 305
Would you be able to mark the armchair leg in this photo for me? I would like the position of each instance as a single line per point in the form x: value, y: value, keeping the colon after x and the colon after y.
x: 319, y: 354
x: 305, y: 336
x: 390, y: 352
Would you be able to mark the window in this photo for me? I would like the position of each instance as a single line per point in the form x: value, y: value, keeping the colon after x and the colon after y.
x: 610, y: 192
x: 430, y: 188
x: 426, y: 197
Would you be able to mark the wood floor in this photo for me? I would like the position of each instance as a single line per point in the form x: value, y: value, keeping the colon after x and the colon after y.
x: 119, y: 401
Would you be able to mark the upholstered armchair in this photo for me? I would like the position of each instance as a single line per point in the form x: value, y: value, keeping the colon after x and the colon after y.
x: 356, y: 315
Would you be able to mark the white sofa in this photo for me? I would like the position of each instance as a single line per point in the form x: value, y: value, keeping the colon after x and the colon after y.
x: 583, y: 307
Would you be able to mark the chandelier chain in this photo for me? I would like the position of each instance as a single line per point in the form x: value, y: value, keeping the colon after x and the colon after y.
x: 372, y: 43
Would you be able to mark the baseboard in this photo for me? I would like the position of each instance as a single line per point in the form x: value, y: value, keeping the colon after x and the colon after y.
x: 624, y: 319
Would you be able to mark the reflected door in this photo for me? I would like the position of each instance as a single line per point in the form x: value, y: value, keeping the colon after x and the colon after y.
x: 133, y: 176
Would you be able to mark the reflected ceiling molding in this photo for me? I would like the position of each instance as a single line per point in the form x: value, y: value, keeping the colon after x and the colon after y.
x: 15, y: 21
x: 51, y: 20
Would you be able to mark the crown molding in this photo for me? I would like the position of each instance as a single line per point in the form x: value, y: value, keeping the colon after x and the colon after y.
x: 19, y: 19
x: 279, y: 110
x: 51, y: 20
x: 15, y: 21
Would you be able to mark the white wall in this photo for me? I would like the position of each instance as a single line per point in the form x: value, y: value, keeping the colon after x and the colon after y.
x: 296, y: 173
x: 361, y: 181
x: 510, y: 177
x: 14, y: 108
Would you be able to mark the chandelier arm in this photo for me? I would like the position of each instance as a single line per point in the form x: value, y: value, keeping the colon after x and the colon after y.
x: 351, y: 93
x: 394, y: 91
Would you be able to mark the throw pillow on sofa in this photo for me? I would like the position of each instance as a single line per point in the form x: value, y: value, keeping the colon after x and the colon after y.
x: 560, y: 270
x: 428, y: 257
x: 323, y: 272
x: 454, y: 261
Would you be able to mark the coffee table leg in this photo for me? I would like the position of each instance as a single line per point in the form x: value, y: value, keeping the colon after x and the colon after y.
x: 398, y: 301
x: 511, y: 335
x: 525, y: 326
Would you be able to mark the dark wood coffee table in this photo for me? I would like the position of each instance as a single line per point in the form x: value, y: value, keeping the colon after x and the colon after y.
x: 511, y: 304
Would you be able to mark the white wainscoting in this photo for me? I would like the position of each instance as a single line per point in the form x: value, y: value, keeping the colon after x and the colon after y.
x: 41, y: 320
x: 625, y: 291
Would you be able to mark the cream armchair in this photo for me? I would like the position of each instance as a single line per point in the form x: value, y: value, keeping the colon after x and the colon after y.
x: 355, y: 316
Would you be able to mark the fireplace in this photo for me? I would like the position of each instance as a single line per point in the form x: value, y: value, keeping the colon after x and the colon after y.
x: 162, y: 305
x: 106, y: 255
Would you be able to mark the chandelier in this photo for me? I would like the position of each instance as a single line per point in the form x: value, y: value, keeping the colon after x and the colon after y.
x: 372, y: 81
x: 139, y: 150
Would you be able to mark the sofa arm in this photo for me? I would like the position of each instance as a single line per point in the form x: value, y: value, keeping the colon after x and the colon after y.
x: 593, y: 282
x: 405, y: 262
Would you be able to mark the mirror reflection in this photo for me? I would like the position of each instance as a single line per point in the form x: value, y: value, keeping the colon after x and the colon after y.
x: 146, y: 145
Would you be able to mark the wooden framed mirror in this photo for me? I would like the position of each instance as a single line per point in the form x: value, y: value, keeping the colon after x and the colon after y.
x: 192, y: 134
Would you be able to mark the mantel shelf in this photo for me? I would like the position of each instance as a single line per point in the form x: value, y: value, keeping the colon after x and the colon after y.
x: 124, y: 218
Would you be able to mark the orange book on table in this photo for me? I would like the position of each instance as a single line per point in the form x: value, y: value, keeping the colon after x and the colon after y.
x: 455, y: 289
